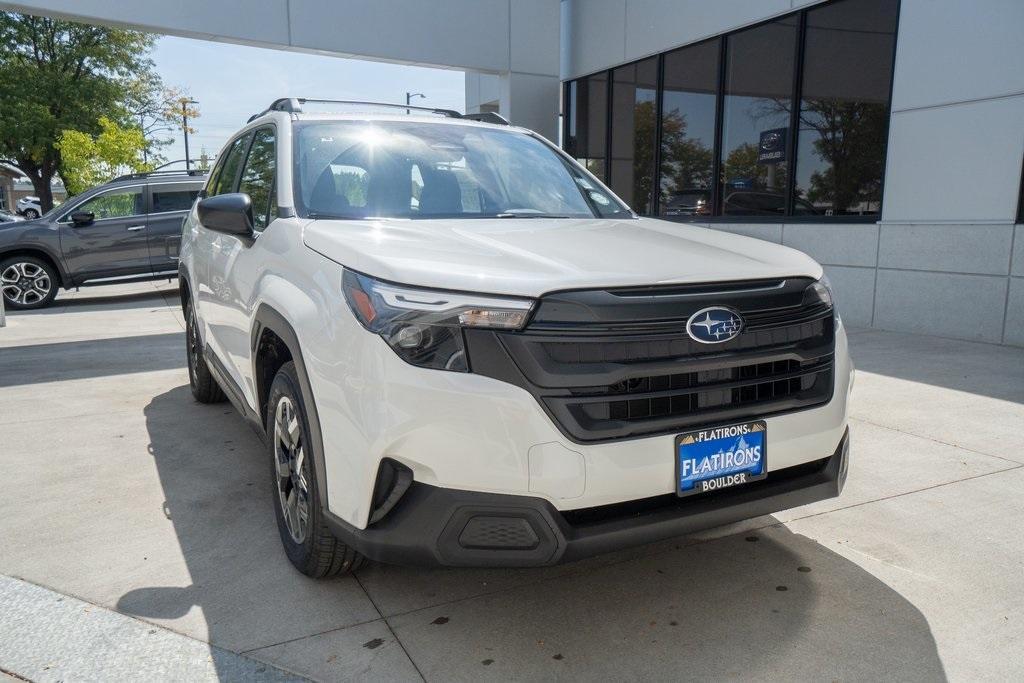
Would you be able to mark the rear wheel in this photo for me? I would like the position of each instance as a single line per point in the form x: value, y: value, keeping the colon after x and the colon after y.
x: 31, y: 214
x: 308, y: 543
x: 204, y: 388
x: 27, y: 282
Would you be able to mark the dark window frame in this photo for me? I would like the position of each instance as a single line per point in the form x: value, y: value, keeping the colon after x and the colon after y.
x: 791, y: 143
x: 1020, y: 200
x: 253, y: 132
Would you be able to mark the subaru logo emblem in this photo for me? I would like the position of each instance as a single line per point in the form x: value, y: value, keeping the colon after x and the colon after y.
x: 714, y: 325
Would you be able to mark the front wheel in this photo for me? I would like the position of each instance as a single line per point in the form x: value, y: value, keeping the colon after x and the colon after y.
x: 308, y: 543
x: 204, y: 388
x: 31, y: 214
x: 27, y: 282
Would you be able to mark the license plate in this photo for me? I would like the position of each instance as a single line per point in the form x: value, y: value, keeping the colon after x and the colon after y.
x: 719, y: 457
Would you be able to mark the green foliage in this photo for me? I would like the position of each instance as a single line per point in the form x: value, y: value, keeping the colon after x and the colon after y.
x: 58, y: 76
x: 90, y: 160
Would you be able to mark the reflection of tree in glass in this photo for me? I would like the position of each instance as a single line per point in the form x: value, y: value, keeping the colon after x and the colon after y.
x: 258, y: 177
x: 685, y: 162
x: 741, y: 164
x: 112, y: 205
x: 851, y: 140
x: 352, y: 186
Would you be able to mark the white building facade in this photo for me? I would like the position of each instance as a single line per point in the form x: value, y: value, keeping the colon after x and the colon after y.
x: 883, y: 137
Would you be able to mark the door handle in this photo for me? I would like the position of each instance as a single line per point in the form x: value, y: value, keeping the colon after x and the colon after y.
x: 136, y: 228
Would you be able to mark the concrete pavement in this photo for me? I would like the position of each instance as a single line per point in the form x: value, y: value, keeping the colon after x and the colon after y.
x: 121, y: 491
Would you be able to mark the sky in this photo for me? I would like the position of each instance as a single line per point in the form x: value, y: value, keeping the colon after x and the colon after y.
x: 233, y: 82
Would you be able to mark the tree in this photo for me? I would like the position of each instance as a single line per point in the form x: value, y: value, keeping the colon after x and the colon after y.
x: 58, y: 76
x: 88, y: 160
x: 157, y: 110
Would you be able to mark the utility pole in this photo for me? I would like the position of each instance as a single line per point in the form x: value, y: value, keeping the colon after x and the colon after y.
x: 409, y: 96
x: 184, y: 127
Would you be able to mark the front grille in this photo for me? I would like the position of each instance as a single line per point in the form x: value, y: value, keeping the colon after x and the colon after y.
x: 631, y: 370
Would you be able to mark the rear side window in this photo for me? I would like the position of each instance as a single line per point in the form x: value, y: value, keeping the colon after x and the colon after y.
x: 173, y: 200
x: 258, y: 178
x: 226, y: 172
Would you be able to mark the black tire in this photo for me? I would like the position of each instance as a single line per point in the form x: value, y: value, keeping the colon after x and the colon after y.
x: 24, y: 279
x: 312, y: 549
x: 204, y: 388
x: 31, y: 214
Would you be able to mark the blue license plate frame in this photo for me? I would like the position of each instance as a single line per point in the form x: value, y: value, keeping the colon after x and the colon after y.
x: 717, y: 458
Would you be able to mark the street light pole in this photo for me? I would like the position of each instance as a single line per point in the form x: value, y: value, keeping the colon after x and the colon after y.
x: 410, y: 95
x: 184, y: 128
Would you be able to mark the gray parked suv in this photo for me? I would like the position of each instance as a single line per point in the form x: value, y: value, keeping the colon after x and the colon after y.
x: 126, y: 230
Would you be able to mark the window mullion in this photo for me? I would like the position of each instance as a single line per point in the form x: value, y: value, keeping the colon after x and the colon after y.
x: 659, y: 96
x: 792, y: 140
x: 716, y: 158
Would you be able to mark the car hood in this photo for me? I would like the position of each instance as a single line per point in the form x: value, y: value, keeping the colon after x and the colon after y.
x: 530, y: 257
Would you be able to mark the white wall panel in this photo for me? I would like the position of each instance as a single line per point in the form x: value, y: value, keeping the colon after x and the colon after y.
x: 231, y: 20
x: 535, y: 29
x: 982, y: 249
x: 955, y: 164
x: 836, y: 244
x: 653, y: 26
x: 595, y: 33
x: 855, y: 293
x: 959, y: 306
x: 953, y: 51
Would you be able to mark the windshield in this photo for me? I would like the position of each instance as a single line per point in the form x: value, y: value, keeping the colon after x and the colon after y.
x: 390, y: 169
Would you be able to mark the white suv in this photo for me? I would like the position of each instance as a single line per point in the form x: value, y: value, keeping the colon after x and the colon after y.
x: 463, y: 349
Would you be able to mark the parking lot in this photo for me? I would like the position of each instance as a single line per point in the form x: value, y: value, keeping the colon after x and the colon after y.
x: 137, y: 540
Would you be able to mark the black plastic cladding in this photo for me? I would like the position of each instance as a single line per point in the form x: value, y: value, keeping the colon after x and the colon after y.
x: 618, y: 364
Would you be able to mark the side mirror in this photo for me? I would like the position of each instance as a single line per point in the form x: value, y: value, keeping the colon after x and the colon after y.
x: 230, y: 214
x: 81, y: 218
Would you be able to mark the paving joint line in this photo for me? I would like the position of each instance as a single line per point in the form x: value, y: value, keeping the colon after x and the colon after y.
x: 1017, y: 466
x: 939, y: 441
x: 296, y: 639
x: 390, y: 630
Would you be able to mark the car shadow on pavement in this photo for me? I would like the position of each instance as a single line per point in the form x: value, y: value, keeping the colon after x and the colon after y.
x: 62, y: 361
x: 972, y: 367
x: 767, y: 604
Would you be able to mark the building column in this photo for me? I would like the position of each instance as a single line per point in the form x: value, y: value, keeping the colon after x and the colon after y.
x: 527, y: 100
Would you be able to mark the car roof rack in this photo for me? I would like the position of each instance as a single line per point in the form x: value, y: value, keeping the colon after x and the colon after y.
x: 294, y: 105
x: 160, y: 174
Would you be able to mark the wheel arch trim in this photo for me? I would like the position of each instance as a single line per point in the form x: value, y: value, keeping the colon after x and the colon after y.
x: 268, y: 318
x: 39, y: 251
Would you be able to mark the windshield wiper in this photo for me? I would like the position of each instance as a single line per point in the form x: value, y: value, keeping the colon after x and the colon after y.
x: 332, y: 216
x: 532, y: 215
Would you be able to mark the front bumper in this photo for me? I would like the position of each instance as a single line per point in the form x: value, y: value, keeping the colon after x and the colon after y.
x: 439, y: 526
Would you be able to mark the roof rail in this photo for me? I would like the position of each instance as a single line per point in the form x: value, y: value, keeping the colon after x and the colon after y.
x: 488, y: 117
x: 294, y: 105
x: 160, y: 174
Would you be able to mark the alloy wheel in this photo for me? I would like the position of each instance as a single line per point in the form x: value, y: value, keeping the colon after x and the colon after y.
x: 292, y: 470
x: 193, y: 344
x: 25, y: 283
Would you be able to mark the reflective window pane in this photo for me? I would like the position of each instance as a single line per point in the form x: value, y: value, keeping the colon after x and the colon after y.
x: 688, y: 130
x: 634, y: 119
x: 587, y: 125
x: 258, y: 176
x: 756, y: 112
x: 844, y: 111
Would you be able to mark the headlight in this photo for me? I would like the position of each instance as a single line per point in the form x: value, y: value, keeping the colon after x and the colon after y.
x: 819, y: 292
x: 424, y: 326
